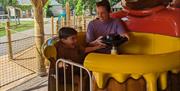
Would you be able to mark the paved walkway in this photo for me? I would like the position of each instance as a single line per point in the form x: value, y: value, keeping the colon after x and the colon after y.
x: 20, y: 35
x: 34, y: 84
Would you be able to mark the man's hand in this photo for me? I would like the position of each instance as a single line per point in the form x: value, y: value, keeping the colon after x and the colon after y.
x: 124, y: 35
x: 98, y: 41
x: 95, y: 45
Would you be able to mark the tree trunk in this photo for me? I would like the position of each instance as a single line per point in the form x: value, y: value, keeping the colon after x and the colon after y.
x: 39, y: 39
x: 39, y: 33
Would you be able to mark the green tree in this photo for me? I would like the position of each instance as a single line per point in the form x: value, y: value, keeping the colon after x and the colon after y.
x: 114, y: 2
x: 4, y: 3
x: 79, y: 7
x: 90, y: 4
x: 13, y: 3
x: 46, y: 8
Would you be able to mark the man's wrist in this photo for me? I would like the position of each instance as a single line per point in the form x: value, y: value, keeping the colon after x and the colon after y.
x: 92, y: 43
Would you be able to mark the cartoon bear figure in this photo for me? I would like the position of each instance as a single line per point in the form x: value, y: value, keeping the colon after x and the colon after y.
x: 151, y: 16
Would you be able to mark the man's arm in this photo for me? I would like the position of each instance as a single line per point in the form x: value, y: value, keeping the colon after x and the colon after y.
x: 90, y: 33
x: 121, y: 30
x: 90, y: 38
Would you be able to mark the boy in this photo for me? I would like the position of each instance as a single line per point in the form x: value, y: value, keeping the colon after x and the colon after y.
x: 68, y: 48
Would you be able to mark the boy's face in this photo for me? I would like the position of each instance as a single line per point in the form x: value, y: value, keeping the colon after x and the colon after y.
x: 70, y: 41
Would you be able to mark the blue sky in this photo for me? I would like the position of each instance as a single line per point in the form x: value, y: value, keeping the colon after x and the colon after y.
x: 24, y: 2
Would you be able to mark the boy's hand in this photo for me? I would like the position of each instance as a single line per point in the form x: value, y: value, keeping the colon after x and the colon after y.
x: 99, y: 47
x: 63, y: 65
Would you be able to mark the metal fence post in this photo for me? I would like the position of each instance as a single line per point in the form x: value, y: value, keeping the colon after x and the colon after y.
x: 8, y: 34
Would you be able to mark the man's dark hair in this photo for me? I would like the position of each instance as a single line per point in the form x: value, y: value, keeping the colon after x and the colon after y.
x: 66, y: 32
x: 104, y: 3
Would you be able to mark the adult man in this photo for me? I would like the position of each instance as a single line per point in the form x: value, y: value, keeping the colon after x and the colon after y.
x: 102, y: 26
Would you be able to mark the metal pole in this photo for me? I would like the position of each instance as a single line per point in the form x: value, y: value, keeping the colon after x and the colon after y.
x: 8, y: 34
x: 72, y: 74
x: 64, y: 76
x: 80, y: 79
x: 76, y: 65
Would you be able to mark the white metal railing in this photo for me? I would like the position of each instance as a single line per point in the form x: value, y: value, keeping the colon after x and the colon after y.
x: 64, y: 61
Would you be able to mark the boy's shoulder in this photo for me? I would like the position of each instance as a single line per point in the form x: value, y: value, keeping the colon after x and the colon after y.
x: 59, y: 45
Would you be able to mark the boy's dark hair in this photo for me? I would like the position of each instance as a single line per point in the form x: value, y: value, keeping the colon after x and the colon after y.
x: 66, y: 32
x: 104, y: 3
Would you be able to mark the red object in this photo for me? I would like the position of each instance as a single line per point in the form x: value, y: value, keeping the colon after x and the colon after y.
x: 118, y: 14
x: 158, y: 20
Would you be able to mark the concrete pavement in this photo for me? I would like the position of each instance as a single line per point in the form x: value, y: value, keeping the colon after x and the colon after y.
x: 24, y: 43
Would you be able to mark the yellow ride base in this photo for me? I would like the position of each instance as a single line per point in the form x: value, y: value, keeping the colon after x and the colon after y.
x: 148, y: 55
